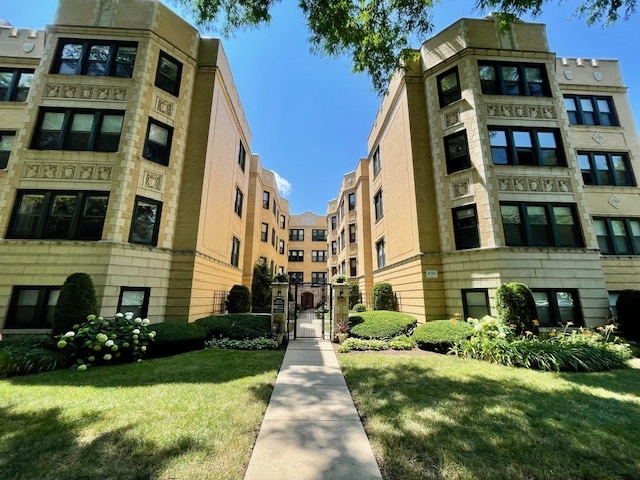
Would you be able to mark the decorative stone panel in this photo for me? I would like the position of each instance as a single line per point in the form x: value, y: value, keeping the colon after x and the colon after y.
x: 86, y: 92
x: 534, y: 184
x: 54, y: 171
x: 541, y: 112
x: 152, y: 180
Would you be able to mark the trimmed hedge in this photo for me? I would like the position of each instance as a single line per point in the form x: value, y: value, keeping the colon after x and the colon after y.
x: 381, y: 324
x: 238, y: 300
x: 382, y: 297
x: 175, y: 338
x: 516, y: 306
x: 76, y: 301
x: 440, y: 335
x: 359, y: 307
x: 236, y: 326
x: 628, y: 308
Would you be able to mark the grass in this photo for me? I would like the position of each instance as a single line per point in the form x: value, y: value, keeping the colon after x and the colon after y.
x: 442, y: 417
x: 190, y: 416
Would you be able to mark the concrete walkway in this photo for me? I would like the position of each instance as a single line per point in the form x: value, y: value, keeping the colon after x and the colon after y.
x: 311, y: 429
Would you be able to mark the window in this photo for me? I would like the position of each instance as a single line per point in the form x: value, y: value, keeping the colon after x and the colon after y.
x: 134, y: 300
x: 58, y: 215
x: 296, y: 277
x: 242, y: 156
x: 32, y: 307
x: 590, y: 110
x: 557, y: 306
x: 380, y: 253
x: 465, y: 227
x: 296, y: 234
x: 343, y: 243
x: 273, y: 237
x: 541, y: 225
x: 352, y: 233
x: 341, y: 210
x: 334, y: 247
x: 168, y: 74
x: 334, y: 222
x: 275, y: 207
x: 6, y: 144
x: 334, y: 271
x: 457, y: 152
x: 15, y: 84
x: 352, y: 201
x: 281, y: 247
x: 266, y: 198
x: 145, y: 223
x: 96, y: 58
x: 599, y: 168
x: 526, y: 146
x: 157, y: 146
x: 376, y: 162
x: 618, y: 236
x: 613, y: 304
x: 319, y: 277
x: 283, y: 221
x: 353, y: 270
x: 377, y: 203
x: 238, y: 205
x: 264, y: 232
x: 296, y: 255
x: 475, y: 303
x: 502, y: 78
x: 74, y: 129
x: 449, y: 87
x: 318, y: 235
x: 343, y: 267
x: 318, y: 255
x: 235, y: 252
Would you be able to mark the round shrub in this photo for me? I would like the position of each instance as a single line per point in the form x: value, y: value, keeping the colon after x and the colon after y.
x: 236, y: 326
x: 239, y: 299
x: 440, y: 335
x: 381, y: 324
x: 175, y: 338
x: 359, y: 307
x: 76, y: 302
x: 628, y: 308
x: 516, y: 306
x: 382, y: 297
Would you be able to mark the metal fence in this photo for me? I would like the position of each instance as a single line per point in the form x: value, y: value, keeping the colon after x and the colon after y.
x: 219, y: 299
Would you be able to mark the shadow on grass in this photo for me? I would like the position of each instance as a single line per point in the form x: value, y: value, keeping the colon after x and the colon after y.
x: 203, y: 366
x: 427, y: 423
x: 45, y: 445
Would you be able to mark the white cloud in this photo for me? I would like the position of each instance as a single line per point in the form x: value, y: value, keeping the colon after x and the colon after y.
x: 284, y: 187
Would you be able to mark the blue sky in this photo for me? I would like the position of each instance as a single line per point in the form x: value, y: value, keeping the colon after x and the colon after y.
x: 310, y: 116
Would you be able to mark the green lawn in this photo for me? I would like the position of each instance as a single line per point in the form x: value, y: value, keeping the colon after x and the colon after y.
x: 192, y: 416
x: 442, y: 417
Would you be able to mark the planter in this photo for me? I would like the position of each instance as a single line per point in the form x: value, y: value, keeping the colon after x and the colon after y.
x: 342, y: 337
x: 279, y: 338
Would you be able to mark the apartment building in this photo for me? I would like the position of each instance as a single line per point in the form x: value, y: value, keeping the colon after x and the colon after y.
x: 307, y: 257
x: 125, y: 154
x: 349, y: 226
x: 491, y: 161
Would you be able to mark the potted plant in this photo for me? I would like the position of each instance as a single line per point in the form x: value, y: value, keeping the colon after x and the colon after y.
x: 342, y: 326
x: 342, y: 278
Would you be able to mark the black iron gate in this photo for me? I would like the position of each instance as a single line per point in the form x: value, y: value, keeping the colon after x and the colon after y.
x: 311, y: 313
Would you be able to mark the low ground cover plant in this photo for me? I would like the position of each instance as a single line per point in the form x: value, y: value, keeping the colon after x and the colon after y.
x: 238, y: 326
x: 253, y: 344
x: 441, y: 335
x: 401, y: 342
x: 381, y: 324
x: 29, y: 354
x: 580, y: 350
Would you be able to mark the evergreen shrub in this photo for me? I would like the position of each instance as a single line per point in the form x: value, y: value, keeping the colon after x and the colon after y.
x: 628, y: 309
x: 238, y: 300
x: 440, y: 335
x: 77, y: 300
x: 516, y: 306
x: 381, y: 324
x: 236, y: 326
x: 175, y: 338
x: 382, y: 297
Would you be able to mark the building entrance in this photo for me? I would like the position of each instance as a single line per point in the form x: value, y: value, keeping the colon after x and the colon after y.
x: 312, y: 309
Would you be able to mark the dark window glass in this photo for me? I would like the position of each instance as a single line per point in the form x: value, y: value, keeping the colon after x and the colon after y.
x: 97, y: 58
x: 377, y: 203
x: 134, y: 300
x: 296, y: 255
x: 557, y: 307
x: 6, y: 145
x: 319, y: 277
x: 15, y: 84
x: 235, y: 252
x: 465, y: 226
x: 238, y: 204
x: 81, y: 130
x: 353, y: 267
x: 476, y: 303
x: 376, y: 161
x: 318, y: 235
x: 281, y: 247
x: 352, y: 233
x: 334, y: 247
x: 296, y: 234
x: 334, y: 222
x: 352, y: 201
x: 601, y: 168
x: 520, y: 146
x: 266, y: 199
x: 296, y: 277
x: 168, y: 74
x: 618, y: 236
x: 457, y: 152
x: 541, y: 225
x: 283, y: 221
x: 242, y: 156
x: 505, y: 78
x: 318, y: 255
x: 157, y: 146
x: 32, y: 307
x: 145, y: 222
x: 264, y: 232
x: 381, y: 254
x: 343, y: 243
x: 590, y: 110
x: 59, y: 215
x: 449, y: 87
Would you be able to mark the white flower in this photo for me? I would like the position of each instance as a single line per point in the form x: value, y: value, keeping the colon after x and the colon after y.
x: 144, y: 349
x: 145, y: 321
x: 152, y: 334
x: 82, y: 368
x: 477, y: 327
x: 119, y: 315
x: 138, y: 320
x: 136, y: 331
x: 109, y: 343
x: 69, y: 334
x: 128, y: 315
x: 107, y: 356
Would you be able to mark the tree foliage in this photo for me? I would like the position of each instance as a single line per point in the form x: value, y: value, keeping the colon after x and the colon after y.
x: 261, y: 288
x: 378, y: 34
x: 239, y: 299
